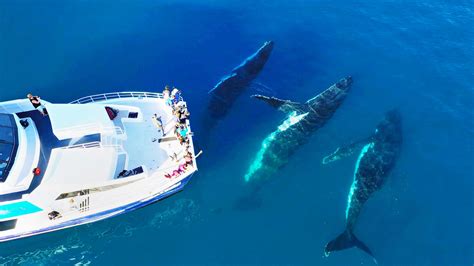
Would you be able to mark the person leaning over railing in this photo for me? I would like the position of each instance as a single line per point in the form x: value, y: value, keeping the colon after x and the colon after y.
x: 188, y: 157
x: 176, y: 95
x: 182, y: 168
x: 182, y: 133
x: 36, y: 102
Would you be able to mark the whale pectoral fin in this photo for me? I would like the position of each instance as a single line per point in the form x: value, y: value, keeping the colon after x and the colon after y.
x: 341, y: 152
x: 344, y: 151
x: 334, y: 156
x: 283, y: 105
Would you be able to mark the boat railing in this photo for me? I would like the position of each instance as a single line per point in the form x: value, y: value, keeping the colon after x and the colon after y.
x: 117, y: 95
x: 95, y: 127
x: 116, y: 129
x: 97, y: 144
x: 118, y: 147
x: 114, y: 141
x: 94, y: 144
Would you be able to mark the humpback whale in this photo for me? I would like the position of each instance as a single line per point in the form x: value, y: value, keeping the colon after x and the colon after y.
x: 376, y: 159
x: 302, y: 120
x: 224, y: 94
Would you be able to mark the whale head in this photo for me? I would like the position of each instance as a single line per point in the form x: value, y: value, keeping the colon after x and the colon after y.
x: 389, y: 130
x: 344, y: 83
x: 252, y: 66
x: 327, y: 102
x: 393, y: 116
x: 267, y: 48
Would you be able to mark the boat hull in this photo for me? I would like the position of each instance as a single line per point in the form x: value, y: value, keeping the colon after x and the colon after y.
x: 102, y: 215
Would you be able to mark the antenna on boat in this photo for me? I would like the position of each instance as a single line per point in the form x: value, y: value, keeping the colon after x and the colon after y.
x: 199, y: 153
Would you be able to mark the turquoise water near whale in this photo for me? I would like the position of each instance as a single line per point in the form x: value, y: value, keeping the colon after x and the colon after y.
x: 413, y: 55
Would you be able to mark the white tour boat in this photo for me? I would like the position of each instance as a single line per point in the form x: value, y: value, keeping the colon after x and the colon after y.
x: 87, y: 160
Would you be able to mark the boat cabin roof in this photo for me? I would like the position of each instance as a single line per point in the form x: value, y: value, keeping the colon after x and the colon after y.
x: 77, y: 120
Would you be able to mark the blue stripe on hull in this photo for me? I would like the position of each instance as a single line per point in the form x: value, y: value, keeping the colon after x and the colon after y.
x: 99, y: 216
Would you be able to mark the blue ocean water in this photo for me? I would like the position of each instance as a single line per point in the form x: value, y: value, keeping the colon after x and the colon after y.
x: 415, y: 55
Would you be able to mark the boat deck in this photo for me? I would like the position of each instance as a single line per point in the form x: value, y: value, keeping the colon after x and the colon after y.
x: 145, y: 144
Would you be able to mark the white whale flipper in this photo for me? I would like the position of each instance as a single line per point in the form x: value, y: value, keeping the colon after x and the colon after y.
x: 345, y: 151
x: 286, y: 106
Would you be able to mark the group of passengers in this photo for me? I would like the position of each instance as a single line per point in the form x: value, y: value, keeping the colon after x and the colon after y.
x: 180, y: 111
x: 171, y: 97
x: 188, y: 160
x: 181, y: 115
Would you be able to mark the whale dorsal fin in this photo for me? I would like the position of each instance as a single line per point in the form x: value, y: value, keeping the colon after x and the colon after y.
x: 283, y: 105
x: 346, y: 150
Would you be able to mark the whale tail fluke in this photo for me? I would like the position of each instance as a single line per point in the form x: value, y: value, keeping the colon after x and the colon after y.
x: 347, y: 240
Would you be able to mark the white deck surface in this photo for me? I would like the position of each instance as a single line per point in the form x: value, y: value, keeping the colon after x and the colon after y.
x: 142, y: 143
x: 75, y: 120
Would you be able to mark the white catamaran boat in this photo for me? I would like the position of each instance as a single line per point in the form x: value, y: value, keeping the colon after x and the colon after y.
x: 88, y: 160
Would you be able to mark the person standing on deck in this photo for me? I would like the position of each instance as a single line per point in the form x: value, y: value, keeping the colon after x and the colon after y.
x: 183, y: 134
x: 158, y: 123
x: 36, y: 102
x: 166, y: 95
x: 176, y: 95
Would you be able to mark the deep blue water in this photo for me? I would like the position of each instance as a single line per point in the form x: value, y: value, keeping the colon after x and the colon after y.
x: 415, y: 55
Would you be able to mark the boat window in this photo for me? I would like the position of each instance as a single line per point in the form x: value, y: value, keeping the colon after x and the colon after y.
x: 5, y: 120
x: 6, y: 134
x: 5, y: 152
x: 8, y: 144
x: 2, y: 167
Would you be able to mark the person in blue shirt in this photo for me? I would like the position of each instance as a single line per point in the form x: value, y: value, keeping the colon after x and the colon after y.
x: 176, y: 95
x: 183, y: 131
